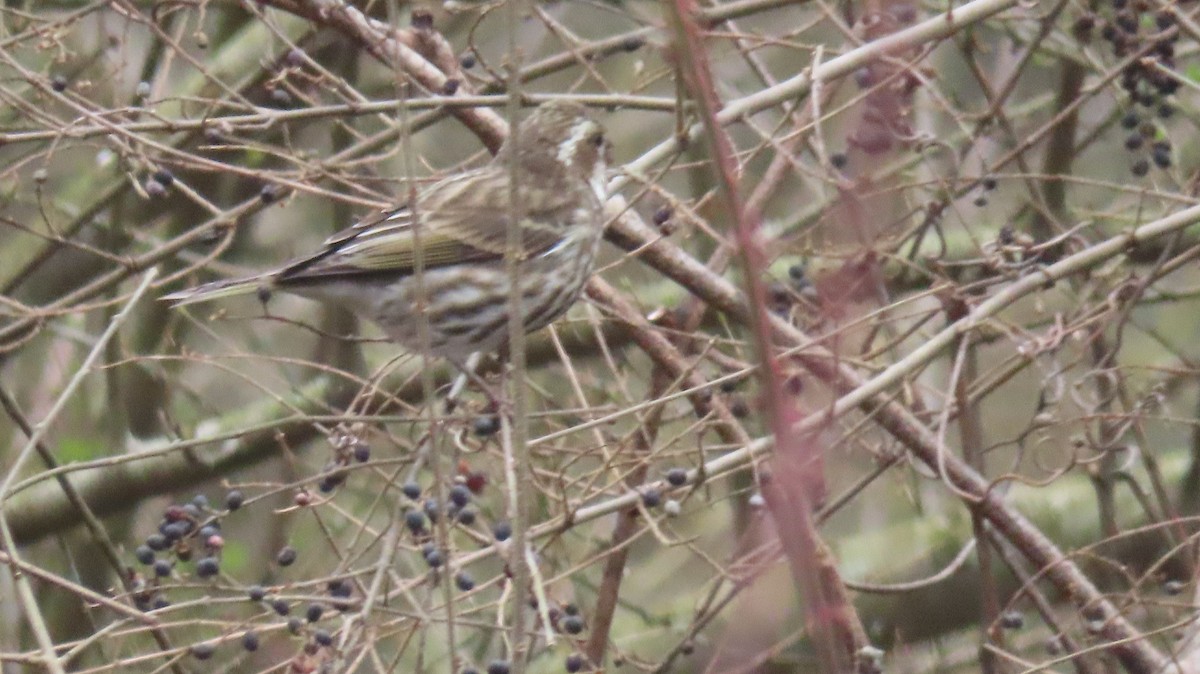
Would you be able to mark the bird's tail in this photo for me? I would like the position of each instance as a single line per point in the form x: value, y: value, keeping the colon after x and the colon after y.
x: 219, y: 289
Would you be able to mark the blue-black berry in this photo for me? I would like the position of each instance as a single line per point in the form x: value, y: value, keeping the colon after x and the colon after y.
x: 460, y: 495
x: 572, y: 624
x: 412, y: 490
x: 486, y: 425
x: 313, y: 612
x: 144, y: 554
x: 464, y: 581
x: 208, y: 567
x: 287, y: 556
x: 415, y: 521
x: 203, y: 651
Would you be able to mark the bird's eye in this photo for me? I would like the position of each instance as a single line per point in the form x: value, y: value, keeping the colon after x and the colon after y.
x: 597, y: 139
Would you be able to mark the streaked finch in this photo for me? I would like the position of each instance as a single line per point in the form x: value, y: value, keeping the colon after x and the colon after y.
x: 561, y: 155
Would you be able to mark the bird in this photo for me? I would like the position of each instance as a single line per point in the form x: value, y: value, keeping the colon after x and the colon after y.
x: 560, y: 155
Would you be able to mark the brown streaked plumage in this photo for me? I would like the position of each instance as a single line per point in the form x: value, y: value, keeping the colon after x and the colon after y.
x: 561, y: 155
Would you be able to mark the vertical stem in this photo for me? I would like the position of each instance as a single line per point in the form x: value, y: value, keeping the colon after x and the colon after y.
x: 516, y: 431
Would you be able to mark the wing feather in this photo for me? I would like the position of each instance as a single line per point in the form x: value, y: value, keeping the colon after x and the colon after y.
x: 464, y: 219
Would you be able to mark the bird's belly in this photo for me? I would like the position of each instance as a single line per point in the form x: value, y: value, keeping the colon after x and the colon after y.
x: 466, y: 307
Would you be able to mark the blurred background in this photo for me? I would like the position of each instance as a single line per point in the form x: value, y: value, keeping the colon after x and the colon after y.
x: 265, y: 484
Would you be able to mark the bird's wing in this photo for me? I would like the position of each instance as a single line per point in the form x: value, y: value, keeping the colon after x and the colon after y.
x: 464, y: 219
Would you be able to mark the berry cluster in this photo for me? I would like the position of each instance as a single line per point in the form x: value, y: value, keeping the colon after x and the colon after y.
x: 187, y: 532
x: 1147, y: 40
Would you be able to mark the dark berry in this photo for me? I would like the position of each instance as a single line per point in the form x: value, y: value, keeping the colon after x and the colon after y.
x: 740, y: 409
x: 267, y: 194
x: 286, y: 556
x: 313, y: 613
x: 864, y: 77
x: 422, y: 19
x: 415, y: 521
x: 295, y: 57
x: 160, y: 602
x: 662, y: 215
x: 208, y: 531
x: 460, y: 495
x: 466, y: 517
x: 295, y: 625
x: 362, y: 452
x: 574, y: 663
x: 208, y: 567
x: 162, y: 568
x: 432, y: 509
x: 1134, y: 142
x: 166, y: 178
x: 281, y: 97
x: 412, y: 490
x: 144, y: 554
x: 256, y: 592
x: 1173, y: 587
x: 1162, y: 158
x: 1130, y: 120
x: 1165, y: 111
x: 988, y: 183
x: 157, y: 542
x: 450, y: 87
x: 433, y: 556
x: 677, y: 477
x: 1012, y: 620
x: 250, y: 640
x: 488, y: 424
x: 1140, y: 168
x: 58, y: 83
x: 632, y: 43
x: 155, y: 188
x: 339, y: 588
x: 839, y: 160
x: 502, y: 531
x: 498, y: 667
x: 192, y: 511
x: 323, y: 638
x: 572, y: 624
x: 651, y: 498
x: 234, y: 499
x: 476, y: 481
x: 203, y: 651
x: 281, y: 607
x: 571, y: 609
x: 980, y: 202
x: 464, y: 581
x: 467, y: 61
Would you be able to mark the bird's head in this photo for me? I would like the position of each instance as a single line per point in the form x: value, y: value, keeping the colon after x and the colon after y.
x: 560, y: 139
